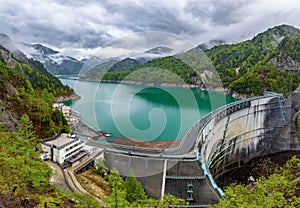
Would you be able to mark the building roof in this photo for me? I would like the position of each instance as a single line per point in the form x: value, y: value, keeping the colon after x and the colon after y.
x: 76, y: 157
x: 61, y: 141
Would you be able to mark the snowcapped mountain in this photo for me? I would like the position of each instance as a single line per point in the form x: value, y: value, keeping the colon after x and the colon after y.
x: 52, y: 60
x: 161, y: 50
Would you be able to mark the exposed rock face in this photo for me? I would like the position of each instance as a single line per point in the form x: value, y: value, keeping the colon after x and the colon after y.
x: 285, y: 63
x: 73, y: 96
x: 295, y: 99
x: 6, y: 56
x: 290, y: 131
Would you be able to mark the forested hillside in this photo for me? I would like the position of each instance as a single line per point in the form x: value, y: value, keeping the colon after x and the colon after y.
x: 154, y: 72
x: 26, y: 118
x: 31, y: 91
x: 274, y: 187
x: 268, y: 61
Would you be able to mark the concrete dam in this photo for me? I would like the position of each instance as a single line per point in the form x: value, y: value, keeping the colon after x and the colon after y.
x: 223, y: 140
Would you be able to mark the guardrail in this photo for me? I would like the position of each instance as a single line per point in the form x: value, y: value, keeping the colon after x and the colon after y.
x: 186, y: 177
x: 194, y: 136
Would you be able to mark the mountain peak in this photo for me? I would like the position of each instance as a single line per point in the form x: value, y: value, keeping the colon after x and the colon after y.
x: 2, y: 35
x: 159, y: 50
x: 44, y: 50
x: 286, y: 27
x: 276, y: 34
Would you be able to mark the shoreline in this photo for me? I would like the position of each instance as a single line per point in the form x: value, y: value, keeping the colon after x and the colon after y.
x: 156, y: 84
x: 130, y: 82
x: 73, y: 96
x: 139, y: 142
x: 226, y: 90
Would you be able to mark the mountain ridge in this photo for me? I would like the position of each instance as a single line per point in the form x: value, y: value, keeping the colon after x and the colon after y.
x: 53, y: 60
x: 236, y: 64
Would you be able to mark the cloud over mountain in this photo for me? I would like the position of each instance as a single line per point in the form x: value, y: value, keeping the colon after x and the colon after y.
x: 90, y: 24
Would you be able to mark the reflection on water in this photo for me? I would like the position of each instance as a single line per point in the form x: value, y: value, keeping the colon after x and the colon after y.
x: 142, y: 112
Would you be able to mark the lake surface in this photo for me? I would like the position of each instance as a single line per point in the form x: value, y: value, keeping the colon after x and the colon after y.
x: 143, y: 112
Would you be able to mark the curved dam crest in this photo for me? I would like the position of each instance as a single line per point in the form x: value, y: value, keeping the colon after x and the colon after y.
x: 225, y: 139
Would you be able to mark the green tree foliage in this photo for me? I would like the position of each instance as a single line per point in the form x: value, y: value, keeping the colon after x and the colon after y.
x: 134, y: 190
x: 1, y: 123
x: 25, y: 127
x: 263, y: 167
x: 289, y: 46
x: 249, y: 84
x: 278, y: 190
x: 118, y: 195
x: 21, y: 169
x: 21, y: 98
x: 40, y: 78
x: 84, y: 201
x: 23, y: 175
x: 252, y: 59
x: 247, y: 67
x: 161, y: 70
x: 130, y: 194
x: 125, y: 64
x: 166, y: 202
x: 61, y: 199
x: 101, y: 168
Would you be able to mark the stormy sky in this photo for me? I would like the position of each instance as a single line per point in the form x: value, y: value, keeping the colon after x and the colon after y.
x: 87, y: 25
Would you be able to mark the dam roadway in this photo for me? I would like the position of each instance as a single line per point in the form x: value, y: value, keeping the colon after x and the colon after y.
x: 224, y: 139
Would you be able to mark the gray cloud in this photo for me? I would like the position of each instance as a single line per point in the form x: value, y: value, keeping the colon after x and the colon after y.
x: 93, y: 23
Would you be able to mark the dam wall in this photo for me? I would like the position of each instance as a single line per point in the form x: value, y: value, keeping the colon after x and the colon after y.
x: 180, y: 177
x: 243, y: 131
x: 223, y: 140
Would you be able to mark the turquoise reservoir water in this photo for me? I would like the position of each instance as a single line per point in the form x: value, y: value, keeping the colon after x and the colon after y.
x: 143, y: 112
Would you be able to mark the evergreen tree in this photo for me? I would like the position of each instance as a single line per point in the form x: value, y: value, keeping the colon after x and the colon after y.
x: 117, y: 199
x: 167, y: 201
x: 134, y: 190
x: 277, y: 190
x: 25, y: 127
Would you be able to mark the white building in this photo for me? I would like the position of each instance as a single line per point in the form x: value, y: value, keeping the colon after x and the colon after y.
x: 71, y: 115
x: 62, y: 148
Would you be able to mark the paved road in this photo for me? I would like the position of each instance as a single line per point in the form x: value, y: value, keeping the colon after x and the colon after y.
x: 58, y: 179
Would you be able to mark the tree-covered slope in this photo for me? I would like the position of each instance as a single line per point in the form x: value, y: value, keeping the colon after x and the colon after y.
x: 269, y: 61
x: 125, y: 64
x: 248, y: 53
x: 155, y: 71
x: 278, y: 71
x: 114, y: 66
x: 95, y: 73
x: 26, y: 118
x: 233, y: 61
x: 279, y: 189
x: 287, y: 54
x: 31, y: 91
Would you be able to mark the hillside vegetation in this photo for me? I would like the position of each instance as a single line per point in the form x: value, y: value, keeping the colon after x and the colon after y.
x: 31, y: 91
x: 26, y: 117
x: 281, y: 188
x: 268, y: 61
